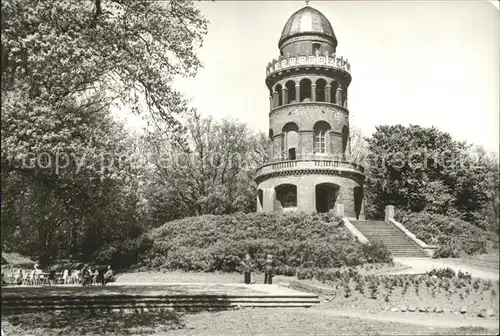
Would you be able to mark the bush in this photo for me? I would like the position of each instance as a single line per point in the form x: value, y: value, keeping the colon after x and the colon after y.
x: 462, y: 275
x: 442, y: 273
x: 122, y: 254
x: 376, y: 251
x: 324, y: 274
x: 218, y: 243
x: 452, y: 236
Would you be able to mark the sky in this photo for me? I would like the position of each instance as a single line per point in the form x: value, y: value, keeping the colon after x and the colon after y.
x: 425, y: 63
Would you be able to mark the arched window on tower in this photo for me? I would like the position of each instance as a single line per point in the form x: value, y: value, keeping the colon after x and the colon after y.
x: 291, y: 140
x: 333, y: 92
x: 316, y: 48
x: 305, y: 90
x: 292, y: 96
x: 279, y: 97
x: 320, y: 90
x: 321, y: 131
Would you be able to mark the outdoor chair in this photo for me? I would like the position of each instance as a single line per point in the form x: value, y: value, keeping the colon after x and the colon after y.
x: 41, y: 279
x: 27, y: 279
x: 75, y: 277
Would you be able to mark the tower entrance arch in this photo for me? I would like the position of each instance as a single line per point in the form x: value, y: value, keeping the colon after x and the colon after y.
x: 326, y: 196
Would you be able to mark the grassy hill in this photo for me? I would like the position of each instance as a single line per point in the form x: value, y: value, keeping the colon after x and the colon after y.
x: 218, y: 243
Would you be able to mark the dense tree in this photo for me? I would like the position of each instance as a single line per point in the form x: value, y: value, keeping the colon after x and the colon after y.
x: 72, y: 184
x: 210, y: 173
x: 68, y: 183
x: 56, y: 51
x: 417, y: 168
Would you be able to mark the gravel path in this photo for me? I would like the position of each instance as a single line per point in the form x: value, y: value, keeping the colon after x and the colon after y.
x: 419, y: 266
x: 264, y: 322
x: 421, y: 319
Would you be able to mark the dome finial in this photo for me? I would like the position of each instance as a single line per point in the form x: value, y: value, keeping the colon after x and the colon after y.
x: 307, y: 2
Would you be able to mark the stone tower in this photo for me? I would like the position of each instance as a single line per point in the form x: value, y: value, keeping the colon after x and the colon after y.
x: 308, y: 168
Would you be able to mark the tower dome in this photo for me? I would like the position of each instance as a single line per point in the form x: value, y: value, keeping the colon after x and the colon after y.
x: 307, y: 21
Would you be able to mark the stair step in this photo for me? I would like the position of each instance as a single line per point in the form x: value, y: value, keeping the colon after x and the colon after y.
x: 395, y: 240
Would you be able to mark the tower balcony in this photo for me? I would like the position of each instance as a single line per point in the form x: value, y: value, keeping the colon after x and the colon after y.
x: 316, y: 165
x: 324, y: 61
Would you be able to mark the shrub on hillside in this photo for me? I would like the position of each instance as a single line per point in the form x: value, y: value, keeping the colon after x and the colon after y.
x: 453, y: 236
x: 376, y: 251
x: 218, y: 243
x: 122, y: 254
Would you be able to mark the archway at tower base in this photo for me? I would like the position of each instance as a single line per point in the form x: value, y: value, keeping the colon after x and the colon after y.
x: 326, y: 196
x: 358, y: 200
x: 286, y: 197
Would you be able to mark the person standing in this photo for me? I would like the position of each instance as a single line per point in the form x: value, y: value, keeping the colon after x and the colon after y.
x: 108, y: 276
x: 247, y: 268
x: 269, y: 270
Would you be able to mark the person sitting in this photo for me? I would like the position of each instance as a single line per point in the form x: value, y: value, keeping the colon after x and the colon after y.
x: 18, y: 278
x: 52, y: 276
x: 94, y: 274
x: 100, y: 276
x: 86, y: 276
x: 108, y: 276
x: 7, y: 277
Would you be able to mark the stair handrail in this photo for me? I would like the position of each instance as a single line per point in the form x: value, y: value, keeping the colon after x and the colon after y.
x: 354, y: 231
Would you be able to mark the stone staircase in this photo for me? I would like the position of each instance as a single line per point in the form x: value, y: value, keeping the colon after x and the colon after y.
x: 28, y: 299
x: 398, y: 243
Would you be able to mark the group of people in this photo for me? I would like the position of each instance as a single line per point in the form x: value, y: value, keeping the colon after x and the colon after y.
x: 85, y: 276
x: 19, y: 276
x: 248, y: 267
x: 93, y: 276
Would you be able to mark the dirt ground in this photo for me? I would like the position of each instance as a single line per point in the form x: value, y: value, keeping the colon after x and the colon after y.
x: 263, y: 322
